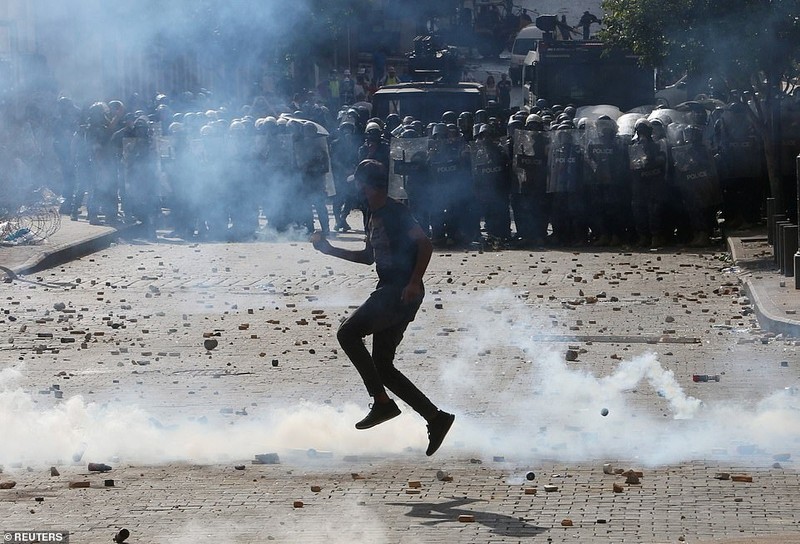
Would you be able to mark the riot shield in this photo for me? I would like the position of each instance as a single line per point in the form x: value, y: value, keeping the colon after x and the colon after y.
x: 489, y: 166
x: 312, y: 156
x: 627, y: 122
x: 667, y: 116
x: 696, y: 174
x: 605, y: 159
x: 647, y: 157
x: 565, y: 161
x: 529, y: 162
x: 443, y: 160
x: 409, y: 158
x: 739, y: 147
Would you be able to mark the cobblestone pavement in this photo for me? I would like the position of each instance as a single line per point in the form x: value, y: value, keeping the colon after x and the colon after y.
x: 177, y: 363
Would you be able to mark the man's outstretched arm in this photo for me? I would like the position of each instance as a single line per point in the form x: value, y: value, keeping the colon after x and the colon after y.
x: 364, y: 256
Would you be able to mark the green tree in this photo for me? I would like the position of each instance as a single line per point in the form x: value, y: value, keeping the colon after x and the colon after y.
x: 745, y: 44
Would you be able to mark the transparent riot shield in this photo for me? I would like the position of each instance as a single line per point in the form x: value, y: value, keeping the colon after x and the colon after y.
x: 604, y: 155
x: 696, y: 173
x: 489, y: 165
x: 529, y: 161
x: 312, y: 156
x: 408, y: 158
x: 565, y: 161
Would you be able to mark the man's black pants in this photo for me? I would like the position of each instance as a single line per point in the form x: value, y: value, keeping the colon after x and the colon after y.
x: 385, y: 317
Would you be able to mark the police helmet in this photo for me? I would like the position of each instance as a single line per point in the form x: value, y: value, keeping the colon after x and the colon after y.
x: 485, y: 131
x: 449, y: 117
x: 581, y: 124
x: 542, y: 104
x: 392, y: 121
x: 439, y: 131
x: 347, y: 127
x: 513, y: 125
x: 570, y: 111
x: 407, y: 120
x: 533, y: 118
x: 644, y: 127
x: 418, y: 127
x: 236, y: 127
x: 408, y: 133
x: 481, y: 116
x: 98, y: 112
x: 605, y: 123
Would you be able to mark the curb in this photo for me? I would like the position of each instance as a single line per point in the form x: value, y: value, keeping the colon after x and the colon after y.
x: 68, y: 251
x: 769, y: 318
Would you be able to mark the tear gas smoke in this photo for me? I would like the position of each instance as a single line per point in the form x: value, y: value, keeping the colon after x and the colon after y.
x: 549, y: 410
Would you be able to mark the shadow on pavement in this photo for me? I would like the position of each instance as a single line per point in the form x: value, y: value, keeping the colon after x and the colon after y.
x: 499, y: 524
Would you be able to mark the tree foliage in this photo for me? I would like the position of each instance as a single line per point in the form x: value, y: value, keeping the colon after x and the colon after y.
x: 743, y: 42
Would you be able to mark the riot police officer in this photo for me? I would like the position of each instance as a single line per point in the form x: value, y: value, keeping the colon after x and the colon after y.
x: 565, y: 184
x: 529, y: 181
x: 696, y: 178
x: 648, y: 166
x: 344, y: 159
x: 606, y: 176
x: 313, y: 163
x: 95, y: 167
x: 490, y: 171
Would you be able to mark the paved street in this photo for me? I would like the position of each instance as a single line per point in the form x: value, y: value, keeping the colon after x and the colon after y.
x: 176, y: 364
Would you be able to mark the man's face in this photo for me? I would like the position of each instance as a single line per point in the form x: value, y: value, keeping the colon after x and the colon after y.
x: 365, y: 189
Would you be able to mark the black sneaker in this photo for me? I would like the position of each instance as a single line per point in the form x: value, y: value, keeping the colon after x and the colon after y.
x: 437, y: 430
x: 379, y: 412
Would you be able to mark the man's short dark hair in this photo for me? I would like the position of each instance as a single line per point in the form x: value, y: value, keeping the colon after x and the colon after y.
x: 371, y: 172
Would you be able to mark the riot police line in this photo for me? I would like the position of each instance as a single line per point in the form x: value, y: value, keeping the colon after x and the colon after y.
x: 546, y: 176
x: 568, y: 177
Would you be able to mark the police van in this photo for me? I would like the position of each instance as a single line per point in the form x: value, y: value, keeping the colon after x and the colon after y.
x: 427, y: 100
x: 527, y: 39
x: 436, y: 69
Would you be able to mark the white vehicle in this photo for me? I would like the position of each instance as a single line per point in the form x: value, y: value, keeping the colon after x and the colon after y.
x: 527, y: 40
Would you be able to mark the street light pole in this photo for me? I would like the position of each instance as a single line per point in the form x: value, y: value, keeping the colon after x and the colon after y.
x: 797, y: 254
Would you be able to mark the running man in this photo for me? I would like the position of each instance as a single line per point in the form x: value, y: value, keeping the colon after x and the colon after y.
x: 401, y: 252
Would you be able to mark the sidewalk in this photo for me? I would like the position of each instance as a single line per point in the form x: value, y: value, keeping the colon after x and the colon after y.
x: 774, y: 297
x: 72, y: 240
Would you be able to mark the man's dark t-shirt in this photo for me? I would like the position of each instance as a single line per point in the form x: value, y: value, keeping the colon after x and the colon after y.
x: 394, y: 250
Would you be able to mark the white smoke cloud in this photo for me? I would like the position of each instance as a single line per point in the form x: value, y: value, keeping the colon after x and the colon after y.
x: 550, y: 410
